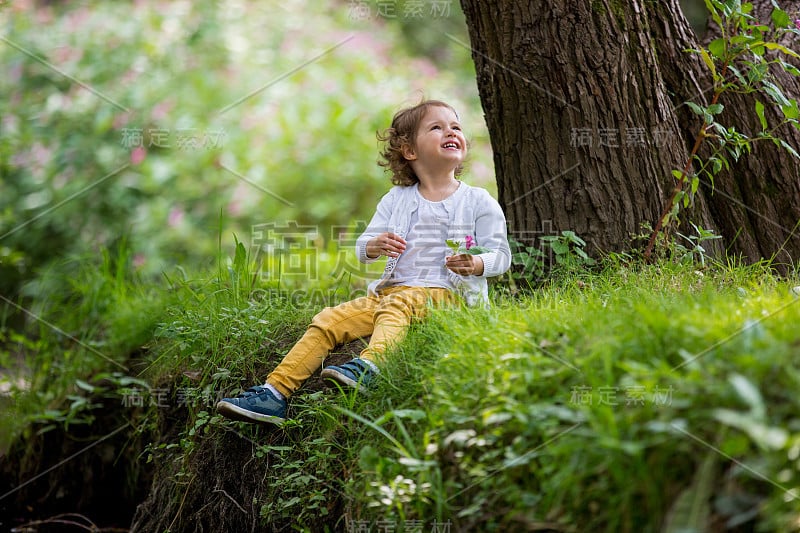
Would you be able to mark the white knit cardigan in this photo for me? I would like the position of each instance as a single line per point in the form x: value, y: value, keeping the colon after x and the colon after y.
x: 476, y: 214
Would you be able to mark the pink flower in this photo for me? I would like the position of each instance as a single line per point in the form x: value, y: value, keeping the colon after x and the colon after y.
x: 469, y: 242
x: 175, y: 217
x: 797, y: 24
x: 161, y: 109
x: 138, y: 154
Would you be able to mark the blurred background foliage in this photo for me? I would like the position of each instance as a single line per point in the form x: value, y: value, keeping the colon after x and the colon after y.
x: 174, y: 126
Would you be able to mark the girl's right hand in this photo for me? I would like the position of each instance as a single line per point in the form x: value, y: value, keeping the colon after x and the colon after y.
x: 388, y: 244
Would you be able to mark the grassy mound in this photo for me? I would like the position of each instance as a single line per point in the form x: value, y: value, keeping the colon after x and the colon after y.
x: 639, y: 398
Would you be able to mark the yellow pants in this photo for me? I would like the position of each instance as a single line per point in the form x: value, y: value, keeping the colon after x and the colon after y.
x: 386, y: 317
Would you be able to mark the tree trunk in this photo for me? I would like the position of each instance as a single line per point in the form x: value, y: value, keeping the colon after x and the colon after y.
x: 583, y: 105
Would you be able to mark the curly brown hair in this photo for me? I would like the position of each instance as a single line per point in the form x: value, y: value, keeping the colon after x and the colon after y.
x: 403, y: 132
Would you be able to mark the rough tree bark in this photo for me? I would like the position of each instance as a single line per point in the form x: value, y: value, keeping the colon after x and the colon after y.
x: 583, y: 104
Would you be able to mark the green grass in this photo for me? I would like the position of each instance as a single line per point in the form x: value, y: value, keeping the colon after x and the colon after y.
x: 634, y: 398
x: 88, y: 333
x: 592, y: 406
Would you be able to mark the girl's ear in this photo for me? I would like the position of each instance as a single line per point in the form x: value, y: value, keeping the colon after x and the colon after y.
x: 408, y: 152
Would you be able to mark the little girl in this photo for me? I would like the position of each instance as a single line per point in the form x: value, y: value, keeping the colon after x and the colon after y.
x: 425, y: 151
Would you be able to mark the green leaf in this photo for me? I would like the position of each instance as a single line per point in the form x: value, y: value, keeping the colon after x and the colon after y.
x: 453, y: 245
x: 780, y: 18
x: 742, y: 39
x: 712, y: 8
x: 761, y: 117
x: 240, y: 258
x: 369, y: 423
x: 729, y: 7
x: 788, y: 67
x: 738, y: 75
x: 749, y: 394
x: 691, y: 510
x: 85, y: 386
x: 781, y: 48
x: 789, y: 148
x: 411, y: 414
x: 776, y: 93
x: 717, y: 48
x: 791, y: 111
x: 757, y: 72
x: 559, y: 247
x: 766, y: 437
x: 475, y: 250
x: 572, y: 237
x: 696, y: 109
x: 715, y: 109
x: 708, y: 61
x: 678, y: 175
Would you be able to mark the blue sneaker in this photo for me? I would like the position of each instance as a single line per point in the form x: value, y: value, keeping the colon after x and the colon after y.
x: 354, y: 373
x: 256, y: 404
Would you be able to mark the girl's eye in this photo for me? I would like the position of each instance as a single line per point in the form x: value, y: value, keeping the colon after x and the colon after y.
x: 457, y: 128
x: 436, y: 128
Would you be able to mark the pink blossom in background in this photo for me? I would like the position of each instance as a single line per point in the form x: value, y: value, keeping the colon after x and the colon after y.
x: 234, y: 208
x: 138, y: 154
x: 66, y: 54
x: 78, y: 18
x: 139, y: 260
x: 44, y: 16
x: 379, y: 51
x: 329, y: 86
x: 161, y: 109
x: 425, y: 68
x: 470, y: 242
x: 175, y: 217
x: 15, y: 72
x: 797, y: 24
x: 130, y: 76
x: 480, y: 172
x: 238, y: 201
x: 121, y: 120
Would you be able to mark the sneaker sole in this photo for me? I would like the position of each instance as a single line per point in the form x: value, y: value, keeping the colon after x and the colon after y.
x: 339, y: 378
x: 233, y: 412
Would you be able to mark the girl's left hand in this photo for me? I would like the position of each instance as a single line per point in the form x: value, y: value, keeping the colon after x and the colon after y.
x: 465, y: 264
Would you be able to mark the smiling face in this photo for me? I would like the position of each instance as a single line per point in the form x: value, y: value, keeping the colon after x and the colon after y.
x: 439, y: 143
